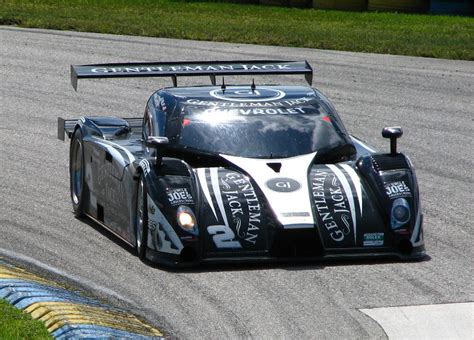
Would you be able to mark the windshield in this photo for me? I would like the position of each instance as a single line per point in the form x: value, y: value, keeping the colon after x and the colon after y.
x: 277, y: 132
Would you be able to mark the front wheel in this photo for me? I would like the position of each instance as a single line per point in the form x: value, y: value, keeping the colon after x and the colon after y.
x: 141, y: 225
x: 76, y: 173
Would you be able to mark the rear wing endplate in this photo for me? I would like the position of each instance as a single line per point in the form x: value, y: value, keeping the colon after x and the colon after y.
x: 66, y: 126
x: 190, y: 69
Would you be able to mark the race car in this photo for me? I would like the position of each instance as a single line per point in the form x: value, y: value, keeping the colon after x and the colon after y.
x: 247, y: 172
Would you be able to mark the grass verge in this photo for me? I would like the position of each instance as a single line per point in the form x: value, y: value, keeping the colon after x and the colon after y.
x: 435, y: 36
x: 17, y: 325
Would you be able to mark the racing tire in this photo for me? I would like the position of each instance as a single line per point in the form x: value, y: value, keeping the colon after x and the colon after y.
x: 141, y: 225
x: 77, y: 173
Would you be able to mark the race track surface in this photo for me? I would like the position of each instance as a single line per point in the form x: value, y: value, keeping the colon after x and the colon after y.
x: 431, y: 99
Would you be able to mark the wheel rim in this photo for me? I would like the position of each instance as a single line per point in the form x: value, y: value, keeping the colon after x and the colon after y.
x: 76, y: 172
x: 139, y: 229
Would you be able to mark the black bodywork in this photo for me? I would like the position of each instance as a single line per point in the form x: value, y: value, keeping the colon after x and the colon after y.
x: 269, y: 172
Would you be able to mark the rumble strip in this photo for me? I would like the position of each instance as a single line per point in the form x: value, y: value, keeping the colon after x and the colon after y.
x: 68, y: 314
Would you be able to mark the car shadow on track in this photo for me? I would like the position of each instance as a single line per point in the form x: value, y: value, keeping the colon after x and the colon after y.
x: 292, y: 265
x: 297, y: 264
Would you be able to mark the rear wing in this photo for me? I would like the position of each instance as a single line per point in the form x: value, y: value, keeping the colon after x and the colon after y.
x: 190, y: 69
x: 67, y: 126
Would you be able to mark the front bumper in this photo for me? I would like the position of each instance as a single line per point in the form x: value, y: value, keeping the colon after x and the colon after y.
x: 177, y: 261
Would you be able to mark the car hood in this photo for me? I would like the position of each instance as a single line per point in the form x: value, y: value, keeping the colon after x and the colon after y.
x: 245, y: 207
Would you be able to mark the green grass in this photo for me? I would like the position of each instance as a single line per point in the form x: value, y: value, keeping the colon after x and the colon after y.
x: 16, y: 325
x: 405, y: 34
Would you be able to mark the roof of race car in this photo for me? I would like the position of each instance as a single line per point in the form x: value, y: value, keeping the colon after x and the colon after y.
x: 269, y: 97
x: 243, y: 94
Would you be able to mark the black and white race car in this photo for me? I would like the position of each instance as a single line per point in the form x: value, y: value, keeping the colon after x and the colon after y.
x: 240, y: 172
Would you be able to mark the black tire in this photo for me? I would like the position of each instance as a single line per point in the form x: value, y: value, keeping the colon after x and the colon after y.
x: 77, y: 173
x: 141, y: 224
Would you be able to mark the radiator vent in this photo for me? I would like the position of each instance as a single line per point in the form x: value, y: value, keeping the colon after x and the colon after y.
x: 387, y: 162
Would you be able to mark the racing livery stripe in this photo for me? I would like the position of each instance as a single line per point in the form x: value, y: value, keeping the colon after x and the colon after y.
x: 356, y: 180
x: 109, y: 144
x: 347, y: 188
x: 205, y: 188
x: 168, y: 241
x: 286, y: 190
x: 417, y: 232
x: 217, y: 194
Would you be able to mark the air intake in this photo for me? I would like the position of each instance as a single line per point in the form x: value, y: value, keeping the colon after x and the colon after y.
x: 275, y: 166
x: 386, y: 162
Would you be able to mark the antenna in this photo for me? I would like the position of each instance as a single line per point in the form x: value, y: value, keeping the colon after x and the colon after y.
x: 223, y: 85
x: 253, y: 85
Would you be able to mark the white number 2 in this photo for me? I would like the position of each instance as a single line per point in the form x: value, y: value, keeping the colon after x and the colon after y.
x: 223, y: 236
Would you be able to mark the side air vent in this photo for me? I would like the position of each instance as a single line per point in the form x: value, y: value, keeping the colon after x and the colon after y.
x: 108, y: 156
x: 386, y: 162
x: 174, y: 167
x: 100, y: 213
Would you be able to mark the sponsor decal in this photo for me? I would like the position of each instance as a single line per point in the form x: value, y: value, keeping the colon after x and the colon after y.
x: 397, y: 189
x: 296, y: 214
x: 179, y: 196
x: 373, y: 239
x: 331, y: 205
x: 145, y: 165
x: 246, y: 94
x: 259, y: 112
x: 258, y: 104
x: 239, y: 207
x: 242, y: 202
x: 192, y: 68
x: 283, y: 184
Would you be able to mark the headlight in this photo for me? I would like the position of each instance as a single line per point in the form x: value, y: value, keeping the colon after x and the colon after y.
x: 400, y: 213
x: 186, y: 218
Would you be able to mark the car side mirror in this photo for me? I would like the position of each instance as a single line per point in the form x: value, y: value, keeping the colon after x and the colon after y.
x: 157, y: 143
x: 393, y: 132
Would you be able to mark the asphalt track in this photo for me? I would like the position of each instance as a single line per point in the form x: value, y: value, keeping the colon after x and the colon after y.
x: 432, y: 99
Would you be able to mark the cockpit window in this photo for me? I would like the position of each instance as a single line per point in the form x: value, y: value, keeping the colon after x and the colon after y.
x: 262, y: 132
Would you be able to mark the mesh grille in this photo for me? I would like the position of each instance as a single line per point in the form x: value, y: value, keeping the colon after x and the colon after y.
x: 386, y: 162
x: 297, y: 243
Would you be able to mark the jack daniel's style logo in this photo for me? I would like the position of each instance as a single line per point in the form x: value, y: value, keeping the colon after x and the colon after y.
x: 242, y: 206
x: 236, y: 207
x: 332, y: 205
x: 191, y: 68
